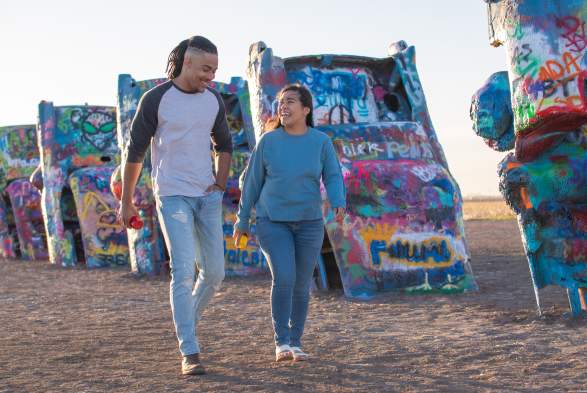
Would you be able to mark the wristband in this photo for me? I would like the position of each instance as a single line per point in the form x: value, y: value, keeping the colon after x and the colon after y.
x: 219, y: 186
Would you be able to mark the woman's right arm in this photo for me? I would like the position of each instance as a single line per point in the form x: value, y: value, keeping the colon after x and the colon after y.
x: 253, y: 181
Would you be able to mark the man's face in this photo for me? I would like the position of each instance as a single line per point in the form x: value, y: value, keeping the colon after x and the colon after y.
x: 200, y: 68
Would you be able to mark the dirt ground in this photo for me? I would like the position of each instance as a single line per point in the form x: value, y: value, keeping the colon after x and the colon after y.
x: 78, y: 330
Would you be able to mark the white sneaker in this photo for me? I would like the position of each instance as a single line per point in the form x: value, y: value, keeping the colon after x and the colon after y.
x: 299, y: 355
x: 283, y: 352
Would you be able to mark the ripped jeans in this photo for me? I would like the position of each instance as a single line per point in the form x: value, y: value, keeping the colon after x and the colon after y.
x: 192, y: 228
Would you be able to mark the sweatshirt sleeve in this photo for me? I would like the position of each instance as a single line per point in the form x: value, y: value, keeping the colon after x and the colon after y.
x: 332, y: 176
x: 252, y: 184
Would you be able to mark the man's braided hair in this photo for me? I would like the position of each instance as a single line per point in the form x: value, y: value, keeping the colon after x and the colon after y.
x: 175, y: 59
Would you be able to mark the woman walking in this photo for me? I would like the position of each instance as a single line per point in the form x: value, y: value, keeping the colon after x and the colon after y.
x: 282, y: 181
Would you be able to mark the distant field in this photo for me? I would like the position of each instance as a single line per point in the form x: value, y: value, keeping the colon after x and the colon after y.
x: 487, y: 209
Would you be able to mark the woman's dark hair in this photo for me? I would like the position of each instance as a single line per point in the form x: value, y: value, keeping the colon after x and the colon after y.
x: 175, y: 59
x: 306, y: 100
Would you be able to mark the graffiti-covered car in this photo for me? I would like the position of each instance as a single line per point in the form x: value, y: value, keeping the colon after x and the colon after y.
x: 79, y: 153
x: 147, y: 250
x: 22, y: 233
x: 404, y: 226
x: 538, y: 109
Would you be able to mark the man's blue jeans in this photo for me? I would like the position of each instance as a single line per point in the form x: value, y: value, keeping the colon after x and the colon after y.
x: 192, y: 227
x: 292, y: 250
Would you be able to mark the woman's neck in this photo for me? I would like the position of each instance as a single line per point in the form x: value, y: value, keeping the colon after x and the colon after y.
x: 298, y: 129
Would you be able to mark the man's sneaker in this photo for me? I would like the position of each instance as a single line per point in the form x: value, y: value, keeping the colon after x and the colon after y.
x: 190, y: 365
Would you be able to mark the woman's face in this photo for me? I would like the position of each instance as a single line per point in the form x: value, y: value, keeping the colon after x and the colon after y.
x: 290, y: 109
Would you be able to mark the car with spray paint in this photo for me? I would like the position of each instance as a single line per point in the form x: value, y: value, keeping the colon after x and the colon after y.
x: 147, y: 250
x: 538, y: 109
x: 78, y: 155
x: 404, y: 226
x: 22, y: 233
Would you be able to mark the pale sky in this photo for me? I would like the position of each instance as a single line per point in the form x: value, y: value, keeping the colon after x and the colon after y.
x: 71, y: 52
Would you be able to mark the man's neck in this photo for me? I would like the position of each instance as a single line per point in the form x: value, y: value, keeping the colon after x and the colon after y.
x: 183, y: 84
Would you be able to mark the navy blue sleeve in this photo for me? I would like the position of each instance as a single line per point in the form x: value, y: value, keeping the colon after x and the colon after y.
x: 144, y: 124
x: 221, y: 138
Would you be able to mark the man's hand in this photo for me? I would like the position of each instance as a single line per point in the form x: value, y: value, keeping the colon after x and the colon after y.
x: 130, y: 174
x: 339, y: 214
x: 125, y: 212
x: 214, y: 187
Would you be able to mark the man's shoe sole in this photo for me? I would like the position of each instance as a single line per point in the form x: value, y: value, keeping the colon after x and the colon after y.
x: 193, y: 370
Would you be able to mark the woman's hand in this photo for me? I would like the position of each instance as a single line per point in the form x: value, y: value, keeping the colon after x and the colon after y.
x: 237, y: 234
x: 339, y: 214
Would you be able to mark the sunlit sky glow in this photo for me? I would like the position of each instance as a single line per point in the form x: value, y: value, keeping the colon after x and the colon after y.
x: 71, y: 52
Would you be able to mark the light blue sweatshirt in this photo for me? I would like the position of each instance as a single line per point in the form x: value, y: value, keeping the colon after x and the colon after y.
x: 282, y: 179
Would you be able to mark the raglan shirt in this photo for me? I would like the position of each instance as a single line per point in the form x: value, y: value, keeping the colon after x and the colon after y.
x: 282, y: 178
x: 179, y: 126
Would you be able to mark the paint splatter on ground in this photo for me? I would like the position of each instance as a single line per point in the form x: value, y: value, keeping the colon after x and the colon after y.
x: 103, y: 330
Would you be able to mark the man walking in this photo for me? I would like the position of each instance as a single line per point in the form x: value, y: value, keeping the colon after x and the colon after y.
x: 178, y: 119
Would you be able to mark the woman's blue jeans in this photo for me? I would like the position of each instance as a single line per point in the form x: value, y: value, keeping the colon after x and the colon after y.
x: 292, y: 250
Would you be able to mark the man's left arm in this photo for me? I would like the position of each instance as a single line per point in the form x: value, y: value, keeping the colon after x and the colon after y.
x: 222, y: 146
x: 222, y: 162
